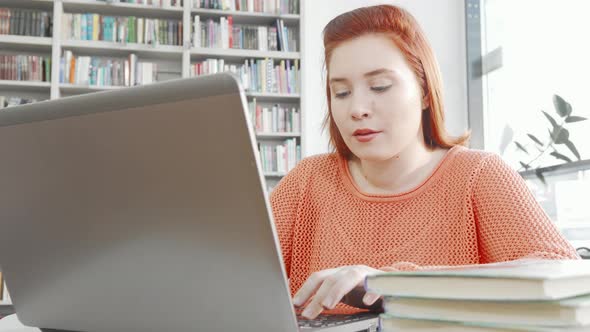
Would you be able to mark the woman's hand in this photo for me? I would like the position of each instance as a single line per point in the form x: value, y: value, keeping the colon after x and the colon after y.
x: 327, y: 288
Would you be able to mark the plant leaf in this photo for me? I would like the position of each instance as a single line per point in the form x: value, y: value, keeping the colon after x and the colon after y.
x: 525, y: 166
x: 562, y: 107
x: 551, y: 119
x: 571, y: 119
x: 562, y: 136
x: 560, y: 156
x: 536, y: 140
x: 520, y: 147
x: 573, y: 149
x: 539, y: 174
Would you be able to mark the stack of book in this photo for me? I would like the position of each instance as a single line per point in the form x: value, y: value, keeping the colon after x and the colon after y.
x: 522, y: 295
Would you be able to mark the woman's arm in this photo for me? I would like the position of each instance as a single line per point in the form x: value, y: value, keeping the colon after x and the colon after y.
x: 285, y: 199
x: 510, y: 222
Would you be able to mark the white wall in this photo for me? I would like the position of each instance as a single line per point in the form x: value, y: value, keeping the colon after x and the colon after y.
x: 444, y: 24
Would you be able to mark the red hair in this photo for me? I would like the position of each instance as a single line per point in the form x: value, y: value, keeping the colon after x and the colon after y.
x: 399, y: 25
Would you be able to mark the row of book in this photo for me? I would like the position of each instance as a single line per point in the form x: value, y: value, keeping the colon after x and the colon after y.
x: 257, y: 6
x: 257, y: 75
x: 25, y: 68
x: 521, y: 295
x: 225, y: 34
x: 122, y: 29
x: 99, y: 71
x: 274, y: 119
x: 154, y: 3
x: 279, y: 158
x: 25, y: 22
x: 8, y: 101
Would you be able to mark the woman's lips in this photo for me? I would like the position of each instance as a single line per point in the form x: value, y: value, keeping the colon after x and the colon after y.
x: 366, y: 136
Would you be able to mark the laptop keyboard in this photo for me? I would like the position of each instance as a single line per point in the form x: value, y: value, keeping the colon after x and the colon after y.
x: 326, y: 320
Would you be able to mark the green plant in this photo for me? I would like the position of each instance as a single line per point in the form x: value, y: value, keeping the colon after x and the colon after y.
x: 559, y: 137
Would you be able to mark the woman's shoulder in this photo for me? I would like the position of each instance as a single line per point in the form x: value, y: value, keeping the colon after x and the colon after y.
x: 322, y: 160
x: 309, y: 168
x: 316, y: 164
x: 478, y: 162
x: 473, y: 157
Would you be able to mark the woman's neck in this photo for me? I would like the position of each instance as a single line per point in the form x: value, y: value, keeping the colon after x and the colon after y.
x: 401, y: 173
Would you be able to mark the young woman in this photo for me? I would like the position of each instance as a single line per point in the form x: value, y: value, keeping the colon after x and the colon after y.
x: 399, y: 193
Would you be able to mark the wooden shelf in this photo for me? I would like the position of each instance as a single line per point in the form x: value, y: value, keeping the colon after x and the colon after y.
x: 122, y: 9
x: 76, y: 88
x: 81, y: 89
x: 277, y: 135
x: 243, y: 17
x: 111, y: 49
x: 25, y: 43
x: 25, y: 86
x: 46, y: 5
x: 274, y: 97
x: 232, y: 54
x: 274, y: 174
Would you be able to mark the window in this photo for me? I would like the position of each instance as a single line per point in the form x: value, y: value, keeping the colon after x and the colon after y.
x: 527, y: 56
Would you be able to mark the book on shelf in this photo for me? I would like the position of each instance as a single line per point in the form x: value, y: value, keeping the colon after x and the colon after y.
x: 274, y: 119
x: 395, y: 324
x: 8, y: 101
x: 223, y: 33
x: 279, y: 158
x: 118, y: 29
x: 25, y: 22
x: 154, y: 3
x: 104, y: 71
x: 513, y: 280
x: 25, y: 68
x: 256, y: 75
x: 253, y: 6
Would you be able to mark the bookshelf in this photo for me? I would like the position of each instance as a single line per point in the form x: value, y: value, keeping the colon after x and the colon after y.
x: 172, y: 61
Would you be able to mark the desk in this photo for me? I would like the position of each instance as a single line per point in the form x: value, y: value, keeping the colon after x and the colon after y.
x: 11, y: 323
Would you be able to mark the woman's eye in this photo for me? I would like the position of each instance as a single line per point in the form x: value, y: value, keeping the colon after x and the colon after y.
x: 341, y: 94
x: 380, y: 88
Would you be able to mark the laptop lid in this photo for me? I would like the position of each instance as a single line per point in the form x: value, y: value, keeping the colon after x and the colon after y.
x: 141, y: 209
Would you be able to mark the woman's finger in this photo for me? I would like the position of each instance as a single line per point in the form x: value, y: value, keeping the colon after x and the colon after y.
x: 314, y: 308
x: 310, y: 286
x: 370, y: 298
x: 347, y: 281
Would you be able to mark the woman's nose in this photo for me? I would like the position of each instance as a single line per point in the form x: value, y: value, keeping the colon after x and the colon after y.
x: 359, y: 106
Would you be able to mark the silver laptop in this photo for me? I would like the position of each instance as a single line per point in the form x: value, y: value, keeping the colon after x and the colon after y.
x: 142, y: 209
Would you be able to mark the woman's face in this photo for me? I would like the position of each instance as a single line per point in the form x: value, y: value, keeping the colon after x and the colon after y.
x: 376, y: 98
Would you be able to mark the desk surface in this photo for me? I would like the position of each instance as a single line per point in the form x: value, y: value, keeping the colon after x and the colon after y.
x: 11, y: 323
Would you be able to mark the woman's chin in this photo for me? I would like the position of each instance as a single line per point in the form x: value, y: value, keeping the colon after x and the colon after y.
x: 373, y: 156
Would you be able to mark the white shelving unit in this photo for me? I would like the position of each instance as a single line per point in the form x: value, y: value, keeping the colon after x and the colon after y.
x: 180, y: 56
x: 5, y: 302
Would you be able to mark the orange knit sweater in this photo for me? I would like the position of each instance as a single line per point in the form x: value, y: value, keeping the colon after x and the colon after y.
x: 472, y: 209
